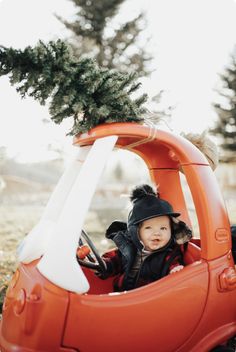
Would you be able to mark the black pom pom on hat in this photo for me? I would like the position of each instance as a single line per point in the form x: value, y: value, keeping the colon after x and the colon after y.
x: 147, y: 205
x: 141, y: 191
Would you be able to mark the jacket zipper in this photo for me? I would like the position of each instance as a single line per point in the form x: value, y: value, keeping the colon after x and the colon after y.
x: 142, y: 263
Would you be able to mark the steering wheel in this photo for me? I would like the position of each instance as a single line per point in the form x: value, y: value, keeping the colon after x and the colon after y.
x: 97, y: 264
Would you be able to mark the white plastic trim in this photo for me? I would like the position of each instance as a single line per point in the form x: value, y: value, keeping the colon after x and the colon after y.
x: 35, y: 243
x: 59, y: 262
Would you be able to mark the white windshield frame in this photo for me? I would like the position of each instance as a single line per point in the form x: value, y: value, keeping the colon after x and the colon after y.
x: 56, y: 236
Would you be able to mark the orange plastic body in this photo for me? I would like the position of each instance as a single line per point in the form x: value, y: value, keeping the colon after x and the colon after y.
x: 192, y: 310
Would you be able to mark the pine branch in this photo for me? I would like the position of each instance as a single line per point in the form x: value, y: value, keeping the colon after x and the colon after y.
x: 74, y: 88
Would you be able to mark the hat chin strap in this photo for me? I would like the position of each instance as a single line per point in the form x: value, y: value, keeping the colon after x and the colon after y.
x: 133, y: 233
x: 142, y: 244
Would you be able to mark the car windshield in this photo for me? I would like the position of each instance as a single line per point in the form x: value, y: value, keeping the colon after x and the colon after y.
x: 61, y: 224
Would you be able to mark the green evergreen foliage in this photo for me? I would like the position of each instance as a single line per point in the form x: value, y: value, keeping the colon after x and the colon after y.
x: 225, y: 126
x: 74, y: 87
x: 94, y: 34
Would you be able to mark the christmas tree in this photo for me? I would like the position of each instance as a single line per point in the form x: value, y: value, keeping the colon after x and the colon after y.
x: 76, y: 88
x: 113, y: 45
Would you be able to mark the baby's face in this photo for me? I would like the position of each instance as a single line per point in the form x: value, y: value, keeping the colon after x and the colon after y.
x: 155, y: 233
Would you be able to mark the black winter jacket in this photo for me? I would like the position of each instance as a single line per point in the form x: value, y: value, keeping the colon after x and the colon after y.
x: 157, y: 265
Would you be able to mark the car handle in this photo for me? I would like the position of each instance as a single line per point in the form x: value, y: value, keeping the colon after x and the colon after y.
x: 227, y: 279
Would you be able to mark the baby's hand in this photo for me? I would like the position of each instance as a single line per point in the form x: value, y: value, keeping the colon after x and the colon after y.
x: 176, y: 268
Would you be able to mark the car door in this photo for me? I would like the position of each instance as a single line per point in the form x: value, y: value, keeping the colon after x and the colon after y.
x: 158, y: 317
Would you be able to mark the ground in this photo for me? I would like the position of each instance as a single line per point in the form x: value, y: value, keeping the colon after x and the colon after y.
x: 14, y: 224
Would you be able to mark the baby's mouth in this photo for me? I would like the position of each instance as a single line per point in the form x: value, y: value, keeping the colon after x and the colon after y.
x: 156, y: 241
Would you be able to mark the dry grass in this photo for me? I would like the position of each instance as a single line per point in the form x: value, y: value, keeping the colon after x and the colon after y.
x: 15, y: 223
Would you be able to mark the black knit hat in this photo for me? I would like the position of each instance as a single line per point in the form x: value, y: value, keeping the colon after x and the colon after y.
x: 147, y: 205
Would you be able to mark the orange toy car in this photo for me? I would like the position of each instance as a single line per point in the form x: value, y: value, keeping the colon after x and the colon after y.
x: 53, y: 304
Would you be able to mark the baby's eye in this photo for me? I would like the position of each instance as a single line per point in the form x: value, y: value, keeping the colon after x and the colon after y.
x: 147, y: 227
x: 163, y: 228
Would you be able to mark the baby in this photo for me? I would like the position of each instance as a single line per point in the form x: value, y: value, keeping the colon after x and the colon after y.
x: 149, y: 244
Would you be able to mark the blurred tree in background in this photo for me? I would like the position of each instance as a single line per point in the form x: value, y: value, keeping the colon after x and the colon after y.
x: 97, y: 34
x: 118, y: 172
x: 113, y: 46
x: 225, y: 126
